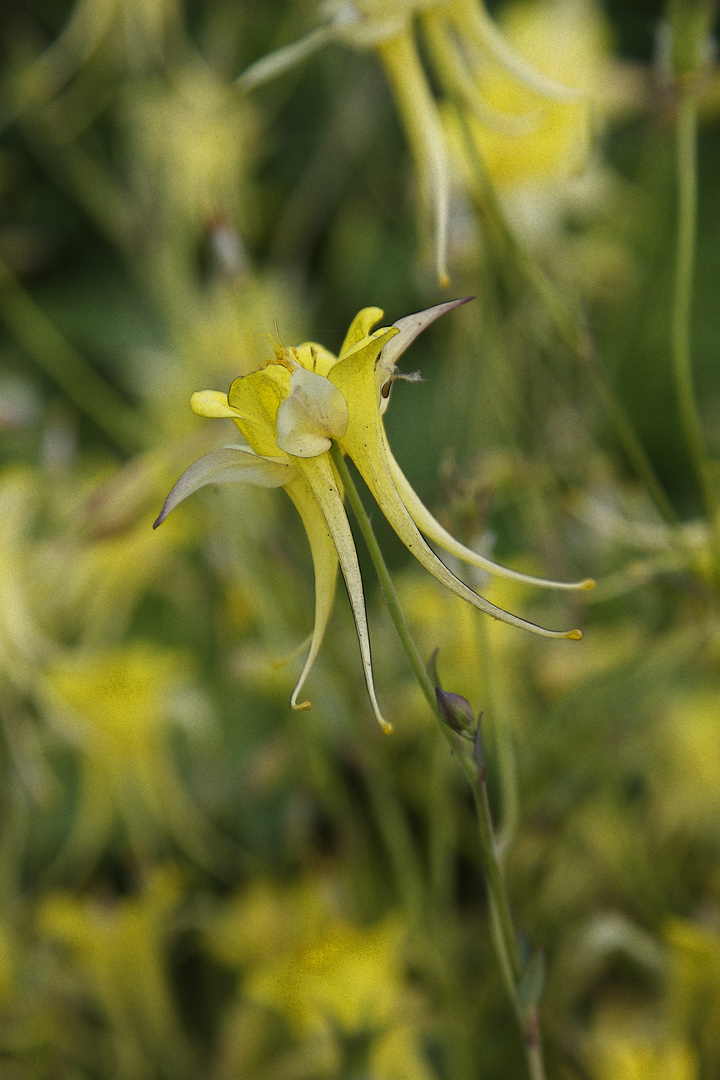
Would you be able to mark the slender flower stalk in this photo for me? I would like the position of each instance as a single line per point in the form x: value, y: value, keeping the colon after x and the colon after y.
x: 686, y: 146
x: 469, y: 754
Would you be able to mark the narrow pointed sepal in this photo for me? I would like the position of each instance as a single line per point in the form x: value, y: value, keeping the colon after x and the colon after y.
x: 231, y: 464
x: 325, y: 564
x: 434, y: 531
x: 281, y: 60
x: 411, y: 326
x: 322, y: 479
x: 364, y: 442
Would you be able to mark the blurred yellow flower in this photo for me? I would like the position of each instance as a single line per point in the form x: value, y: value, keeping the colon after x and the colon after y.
x: 635, y: 1058
x: 688, y: 739
x: 23, y: 644
x: 117, y: 707
x: 461, y: 38
x: 693, y: 991
x: 188, y: 140
x: 330, y: 978
x: 347, y: 976
x: 118, y: 947
x: 132, y: 31
x: 290, y: 412
x: 568, y: 41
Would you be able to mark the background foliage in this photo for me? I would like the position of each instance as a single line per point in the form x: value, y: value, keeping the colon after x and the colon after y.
x: 196, y: 881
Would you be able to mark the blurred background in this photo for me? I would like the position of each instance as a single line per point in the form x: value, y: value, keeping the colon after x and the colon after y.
x: 196, y: 881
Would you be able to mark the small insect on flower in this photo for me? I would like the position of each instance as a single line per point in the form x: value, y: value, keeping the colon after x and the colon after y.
x: 290, y: 412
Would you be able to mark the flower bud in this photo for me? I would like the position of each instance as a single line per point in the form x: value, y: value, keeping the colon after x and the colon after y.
x: 455, y: 711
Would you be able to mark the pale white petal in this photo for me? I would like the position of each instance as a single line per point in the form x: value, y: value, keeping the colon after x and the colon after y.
x: 225, y: 466
x: 311, y: 415
x: 281, y: 60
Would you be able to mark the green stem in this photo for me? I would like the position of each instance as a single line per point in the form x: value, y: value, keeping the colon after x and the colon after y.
x: 66, y: 366
x: 504, y: 752
x: 504, y: 936
x: 568, y: 327
x: 686, y: 147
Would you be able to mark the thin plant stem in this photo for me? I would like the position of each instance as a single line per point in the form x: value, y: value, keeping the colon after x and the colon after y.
x: 504, y: 936
x: 396, y: 833
x: 67, y: 367
x: 504, y: 750
x: 569, y: 329
x: 686, y: 150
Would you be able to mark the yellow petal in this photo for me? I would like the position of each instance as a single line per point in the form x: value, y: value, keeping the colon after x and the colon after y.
x: 256, y: 399
x: 365, y: 443
x: 315, y: 357
x: 360, y: 327
x: 322, y: 479
x: 434, y: 531
x: 325, y: 563
x: 421, y: 120
x: 212, y: 403
x: 473, y: 20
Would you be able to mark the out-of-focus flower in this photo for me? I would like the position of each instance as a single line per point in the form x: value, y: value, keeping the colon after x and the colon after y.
x: 134, y: 32
x: 536, y: 150
x: 118, y: 948
x: 693, y: 992
x: 462, y: 38
x: 637, y: 1057
x: 543, y: 140
x: 334, y: 981
x: 23, y: 643
x: 117, y: 707
x: 688, y: 736
x: 290, y: 412
x: 188, y: 142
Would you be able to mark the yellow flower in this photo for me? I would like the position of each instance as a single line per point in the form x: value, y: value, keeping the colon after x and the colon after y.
x: 118, y: 946
x: 461, y: 38
x: 334, y: 981
x: 118, y: 707
x: 640, y: 1058
x: 290, y: 412
x: 524, y: 134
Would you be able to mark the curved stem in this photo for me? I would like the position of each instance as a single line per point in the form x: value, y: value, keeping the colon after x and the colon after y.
x: 504, y: 936
x: 568, y: 327
x: 67, y: 367
x: 686, y: 149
